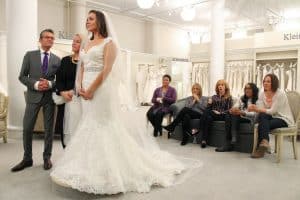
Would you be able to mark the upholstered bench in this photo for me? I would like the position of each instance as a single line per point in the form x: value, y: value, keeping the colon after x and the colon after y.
x: 217, y: 135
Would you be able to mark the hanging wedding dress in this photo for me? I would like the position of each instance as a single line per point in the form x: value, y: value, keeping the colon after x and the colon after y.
x: 289, y: 74
x: 282, y: 77
x: 259, y: 76
x: 110, y: 152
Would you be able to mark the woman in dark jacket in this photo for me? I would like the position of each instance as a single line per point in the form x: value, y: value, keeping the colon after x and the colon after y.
x: 65, y: 82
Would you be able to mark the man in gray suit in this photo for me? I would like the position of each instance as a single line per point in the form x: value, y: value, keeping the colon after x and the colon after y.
x: 38, y: 75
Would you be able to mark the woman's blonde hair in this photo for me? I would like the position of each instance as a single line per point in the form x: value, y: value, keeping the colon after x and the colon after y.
x: 227, y: 90
x: 199, y: 87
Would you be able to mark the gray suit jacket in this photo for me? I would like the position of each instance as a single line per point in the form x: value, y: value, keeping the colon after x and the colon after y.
x: 31, y: 72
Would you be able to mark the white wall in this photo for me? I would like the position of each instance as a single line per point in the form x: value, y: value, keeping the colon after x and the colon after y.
x: 172, y: 42
x: 2, y: 15
x: 3, y: 73
x: 3, y: 64
x: 52, y: 14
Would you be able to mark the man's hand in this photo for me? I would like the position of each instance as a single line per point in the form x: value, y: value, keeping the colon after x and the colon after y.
x: 43, y: 84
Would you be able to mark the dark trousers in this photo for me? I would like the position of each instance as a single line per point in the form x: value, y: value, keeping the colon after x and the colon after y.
x: 235, y: 125
x: 209, y: 116
x: 29, y: 120
x: 155, y: 117
x: 266, y: 123
x: 185, y: 116
x: 59, y: 124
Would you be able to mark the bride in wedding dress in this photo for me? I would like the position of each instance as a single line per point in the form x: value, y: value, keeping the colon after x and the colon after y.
x: 111, y: 152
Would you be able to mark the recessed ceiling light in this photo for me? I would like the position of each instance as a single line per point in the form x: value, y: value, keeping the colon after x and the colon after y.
x: 145, y: 4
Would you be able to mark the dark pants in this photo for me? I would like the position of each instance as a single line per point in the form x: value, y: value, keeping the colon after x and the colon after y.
x: 59, y: 124
x: 235, y: 125
x: 155, y: 117
x: 31, y: 113
x: 209, y: 116
x: 185, y: 116
x: 266, y: 123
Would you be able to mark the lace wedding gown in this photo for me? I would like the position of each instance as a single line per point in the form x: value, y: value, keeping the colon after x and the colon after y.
x: 106, y: 155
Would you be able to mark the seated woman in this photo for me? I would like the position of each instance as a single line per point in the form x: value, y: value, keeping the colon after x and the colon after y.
x: 239, y: 114
x: 217, y: 110
x: 162, y: 98
x: 194, y: 107
x: 274, y: 112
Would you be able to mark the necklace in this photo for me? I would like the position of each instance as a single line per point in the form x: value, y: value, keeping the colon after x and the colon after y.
x: 73, y: 60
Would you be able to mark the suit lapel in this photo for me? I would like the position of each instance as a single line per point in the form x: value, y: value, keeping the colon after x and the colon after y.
x: 38, y: 62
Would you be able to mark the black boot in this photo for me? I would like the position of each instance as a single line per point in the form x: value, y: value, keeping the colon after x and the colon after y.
x: 155, y: 133
x: 184, y: 140
x: 227, y: 147
x: 169, y: 128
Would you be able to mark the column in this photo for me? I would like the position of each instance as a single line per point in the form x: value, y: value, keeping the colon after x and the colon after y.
x: 78, y: 15
x: 22, y: 36
x: 217, y: 48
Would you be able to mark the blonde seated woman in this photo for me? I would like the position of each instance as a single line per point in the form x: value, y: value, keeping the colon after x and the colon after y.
x: 195, y: 106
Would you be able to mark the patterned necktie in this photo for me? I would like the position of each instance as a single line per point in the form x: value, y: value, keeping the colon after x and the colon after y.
x: 45, y: 63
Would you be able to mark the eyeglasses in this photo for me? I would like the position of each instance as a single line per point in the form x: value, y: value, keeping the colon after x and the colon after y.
x: 49, y: 37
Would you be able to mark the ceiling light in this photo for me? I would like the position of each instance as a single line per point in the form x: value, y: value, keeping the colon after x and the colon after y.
x: 188, y: 13
x: 145, y: 4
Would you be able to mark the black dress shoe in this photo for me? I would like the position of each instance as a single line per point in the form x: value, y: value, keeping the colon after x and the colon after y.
x: 203, y: 144
x: 22, y: 165
x: 47, y: 164
x: 169, y: 128
x: 224, y: 148
x: 155, y: 133
x: 183, y: 143
x: 169, y: 135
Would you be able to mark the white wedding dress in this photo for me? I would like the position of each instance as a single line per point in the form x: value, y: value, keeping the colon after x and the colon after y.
x: 106, y: 155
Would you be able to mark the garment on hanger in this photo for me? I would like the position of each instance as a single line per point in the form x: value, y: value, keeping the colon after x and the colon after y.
x: 259, y: 76
x: 238, y: 74
x: 141, y: 77
x: 282, y: 77
x: 294, y: 76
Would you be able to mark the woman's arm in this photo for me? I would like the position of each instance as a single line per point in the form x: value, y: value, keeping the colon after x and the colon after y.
x: 155, y: 96
x: 172, y: 98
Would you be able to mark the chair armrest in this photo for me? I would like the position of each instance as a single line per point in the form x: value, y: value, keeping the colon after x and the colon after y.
x: 3, y: 114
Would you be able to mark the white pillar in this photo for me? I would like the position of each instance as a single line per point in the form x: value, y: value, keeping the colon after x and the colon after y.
x: 78, y: 14
x: 3, y: 64
x: 217, y: 48
x: 152, y: 37
x: 21, y: 37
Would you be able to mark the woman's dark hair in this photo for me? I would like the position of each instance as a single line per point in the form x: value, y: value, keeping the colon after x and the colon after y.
x: 274, y: 82
x: 167, y: 76
x: 101, y: 24
x: 254, y: 98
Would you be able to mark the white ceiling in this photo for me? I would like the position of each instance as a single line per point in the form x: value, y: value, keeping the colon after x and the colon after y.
x: 249, y: 14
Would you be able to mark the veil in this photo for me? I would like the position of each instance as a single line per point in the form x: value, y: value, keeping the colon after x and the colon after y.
x: 124, y: 111
x: 123, y: 108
